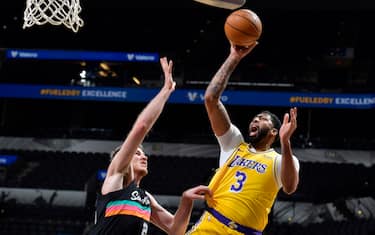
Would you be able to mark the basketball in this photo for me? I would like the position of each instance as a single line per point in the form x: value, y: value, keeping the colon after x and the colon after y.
x: 242, y: 27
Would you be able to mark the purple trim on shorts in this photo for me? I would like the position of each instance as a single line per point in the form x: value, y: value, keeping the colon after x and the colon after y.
x: 233, y: 225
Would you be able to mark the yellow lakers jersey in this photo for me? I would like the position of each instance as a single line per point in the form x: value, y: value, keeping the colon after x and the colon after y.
x: 244, y: 188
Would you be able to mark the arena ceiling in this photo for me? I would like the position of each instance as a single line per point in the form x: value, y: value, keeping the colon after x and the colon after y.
x: 294, y: 32
x: 162, y: 25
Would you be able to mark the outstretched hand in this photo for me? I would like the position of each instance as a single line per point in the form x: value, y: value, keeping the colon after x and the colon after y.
x: 289, y: 125
x: 241, y: 51
x: 197, y: 192
x: 167, y: 67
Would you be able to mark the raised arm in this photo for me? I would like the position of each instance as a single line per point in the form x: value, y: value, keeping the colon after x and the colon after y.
x: 120, y: 165
x: 289, y: 173
x: 219, y: 118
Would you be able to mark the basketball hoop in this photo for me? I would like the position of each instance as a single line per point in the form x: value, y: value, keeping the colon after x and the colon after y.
x: 55, y: 12
x: 226, y: 4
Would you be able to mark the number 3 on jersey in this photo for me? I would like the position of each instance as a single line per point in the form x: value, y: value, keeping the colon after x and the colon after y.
x: 241, y: 178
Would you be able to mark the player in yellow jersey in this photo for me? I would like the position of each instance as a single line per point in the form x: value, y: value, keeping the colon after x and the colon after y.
x: 250, y: 175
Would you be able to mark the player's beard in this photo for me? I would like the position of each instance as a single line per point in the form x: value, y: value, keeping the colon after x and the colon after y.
x: 255, y: 139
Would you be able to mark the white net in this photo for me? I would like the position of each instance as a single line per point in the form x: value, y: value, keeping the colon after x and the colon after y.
x: 55, y: 12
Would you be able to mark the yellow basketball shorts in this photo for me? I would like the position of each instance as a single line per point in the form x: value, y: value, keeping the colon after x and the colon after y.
x: 209, y: 225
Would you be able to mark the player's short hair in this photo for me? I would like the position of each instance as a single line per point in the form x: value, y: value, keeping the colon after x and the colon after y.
x: 117, y: 149
x: 275, y: 122
x: 274, y: 119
